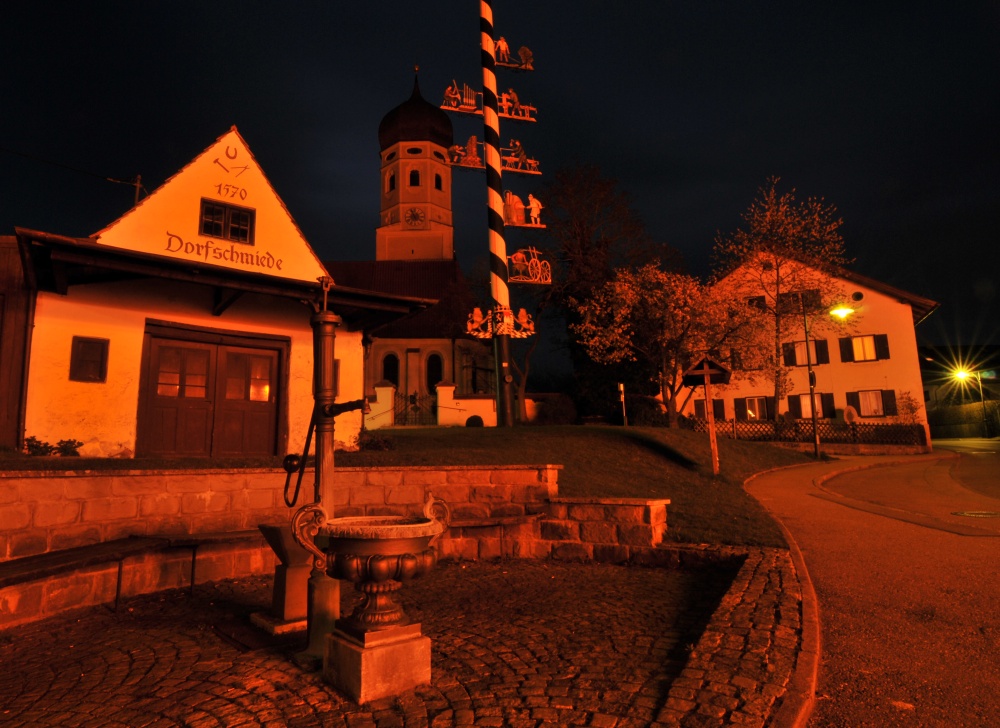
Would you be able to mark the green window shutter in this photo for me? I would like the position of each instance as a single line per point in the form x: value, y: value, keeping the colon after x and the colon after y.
x: 795, y: 407
x: 881, y: 346
x: 772, y: 411
x: 822, y: 351
x: 889, y: 403
x: 854, y: 400
x: 740, y: 407
x: 719, y: 409
x: 847, y: 349
x: 788, y: 354
x: 826, y: 402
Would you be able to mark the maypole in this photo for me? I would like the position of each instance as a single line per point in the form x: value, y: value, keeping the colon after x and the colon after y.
x: 504, y: 209
x: 503, y: 318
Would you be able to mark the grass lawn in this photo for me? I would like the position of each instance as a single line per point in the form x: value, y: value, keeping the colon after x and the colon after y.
x: 629, y: 462
x: 598, y: 461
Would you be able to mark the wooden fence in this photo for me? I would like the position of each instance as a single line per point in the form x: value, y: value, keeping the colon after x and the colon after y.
x: 802, y: 431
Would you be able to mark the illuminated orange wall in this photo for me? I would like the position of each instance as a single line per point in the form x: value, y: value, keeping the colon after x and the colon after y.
x: 103, y: 415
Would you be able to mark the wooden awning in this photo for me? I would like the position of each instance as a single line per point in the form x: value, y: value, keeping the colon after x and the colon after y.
x: 55, y: 263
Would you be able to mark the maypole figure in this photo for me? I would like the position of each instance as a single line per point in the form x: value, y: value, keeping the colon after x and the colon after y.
x: 502, y: 50
x: 534, y: 210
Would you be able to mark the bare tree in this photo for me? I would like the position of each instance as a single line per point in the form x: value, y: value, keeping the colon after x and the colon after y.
x: 592, y: 230
x: 780, y: 264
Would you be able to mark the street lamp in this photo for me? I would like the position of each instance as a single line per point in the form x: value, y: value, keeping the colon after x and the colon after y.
x: 841, y: 312
x: 961, y: 375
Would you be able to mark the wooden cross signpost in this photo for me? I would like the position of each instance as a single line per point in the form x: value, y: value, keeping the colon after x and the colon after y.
x: 708, y: 372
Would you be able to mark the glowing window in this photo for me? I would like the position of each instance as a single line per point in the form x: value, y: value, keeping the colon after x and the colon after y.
x: 864, y: 348
x: 182, y: 372
x: 756, y: 408
x: 248, y: 377
x: 871, y: 403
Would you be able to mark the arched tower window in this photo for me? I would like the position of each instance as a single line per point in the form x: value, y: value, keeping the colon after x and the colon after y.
x: 414, y: 178
x: 390, y: 369
x: 438, y: 182
x: 391, y: 185
x: 435, y: 371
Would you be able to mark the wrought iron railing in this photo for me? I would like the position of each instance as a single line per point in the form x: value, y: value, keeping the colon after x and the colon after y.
x: 802, y: 431
x: 414, y: 409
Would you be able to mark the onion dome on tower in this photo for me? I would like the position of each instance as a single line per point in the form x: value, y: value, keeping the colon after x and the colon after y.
x: 416, y: 119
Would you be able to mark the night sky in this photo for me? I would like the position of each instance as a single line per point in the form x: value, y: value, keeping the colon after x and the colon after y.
x: 887, y: 110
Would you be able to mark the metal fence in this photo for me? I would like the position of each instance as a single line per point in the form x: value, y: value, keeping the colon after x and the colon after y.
x: 802, y: 431
x: 414, y: 409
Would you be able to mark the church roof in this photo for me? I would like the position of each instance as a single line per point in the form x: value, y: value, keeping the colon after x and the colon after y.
x: 415, y: 120
x: 441, y: 280
x: 415, y: 278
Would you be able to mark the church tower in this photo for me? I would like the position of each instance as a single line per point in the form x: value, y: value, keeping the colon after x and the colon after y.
x: 416, y: 222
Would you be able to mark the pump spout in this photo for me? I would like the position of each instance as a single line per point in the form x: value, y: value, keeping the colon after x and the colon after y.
x: 335, y: 410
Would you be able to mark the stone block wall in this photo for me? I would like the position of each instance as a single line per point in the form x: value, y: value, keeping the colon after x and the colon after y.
x: 496, y: 511
x: 170, y: 569
x: 613, y: 530
x: 42, y: 512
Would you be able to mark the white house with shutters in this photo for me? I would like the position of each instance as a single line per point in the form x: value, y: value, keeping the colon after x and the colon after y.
x: 867, y: 361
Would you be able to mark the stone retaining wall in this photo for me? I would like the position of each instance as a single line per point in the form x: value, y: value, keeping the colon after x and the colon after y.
x: 46, y: 511
x: 499, y: 511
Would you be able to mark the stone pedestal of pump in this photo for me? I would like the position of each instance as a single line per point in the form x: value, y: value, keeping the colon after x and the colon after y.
x: 373, y: 665
x: 290, y: 597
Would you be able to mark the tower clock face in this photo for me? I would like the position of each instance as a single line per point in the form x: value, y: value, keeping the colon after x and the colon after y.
x: 414, y: 216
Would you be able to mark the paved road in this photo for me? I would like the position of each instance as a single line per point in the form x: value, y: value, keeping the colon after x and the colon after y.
x: 909, y: 598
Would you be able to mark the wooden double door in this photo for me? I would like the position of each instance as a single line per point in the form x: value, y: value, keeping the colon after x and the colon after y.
x: 208, y: 399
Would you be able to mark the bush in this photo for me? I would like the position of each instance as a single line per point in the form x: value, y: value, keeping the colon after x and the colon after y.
x: 37, y: 448
x: 372, y: 441
x: 646, y: 412
x: 554, y: 409
x: 68, y: 448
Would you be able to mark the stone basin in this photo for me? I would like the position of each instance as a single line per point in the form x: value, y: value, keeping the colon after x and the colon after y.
x: 377, y: 553
x: 385, y: 535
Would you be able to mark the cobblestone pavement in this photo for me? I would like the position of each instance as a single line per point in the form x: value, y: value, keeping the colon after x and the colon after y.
x: 514, y: 643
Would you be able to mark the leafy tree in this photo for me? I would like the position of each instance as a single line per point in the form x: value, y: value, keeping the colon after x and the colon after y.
x: 666, y: 320
x: 778, y: 263
x: 591, y: 230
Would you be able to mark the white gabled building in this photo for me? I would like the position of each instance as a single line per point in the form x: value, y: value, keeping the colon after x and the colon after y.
x: 183, y: 328
x: 867, y: 361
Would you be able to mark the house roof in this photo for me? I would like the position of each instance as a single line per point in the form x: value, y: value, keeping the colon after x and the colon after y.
x: 441, y: 280
x: 55, y: 262
x: 920, y: 306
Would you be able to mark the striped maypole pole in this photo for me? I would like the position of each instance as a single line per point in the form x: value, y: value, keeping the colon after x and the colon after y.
x: 503, y: 319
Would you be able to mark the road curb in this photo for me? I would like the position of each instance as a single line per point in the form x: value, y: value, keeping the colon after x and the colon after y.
x: 800, y: 696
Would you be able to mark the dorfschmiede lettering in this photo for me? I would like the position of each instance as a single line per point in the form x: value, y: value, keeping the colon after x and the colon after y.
x: 232, y: 253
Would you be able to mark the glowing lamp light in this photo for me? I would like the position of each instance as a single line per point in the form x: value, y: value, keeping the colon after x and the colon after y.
x: 962, y: 374
x: 842, y: 312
